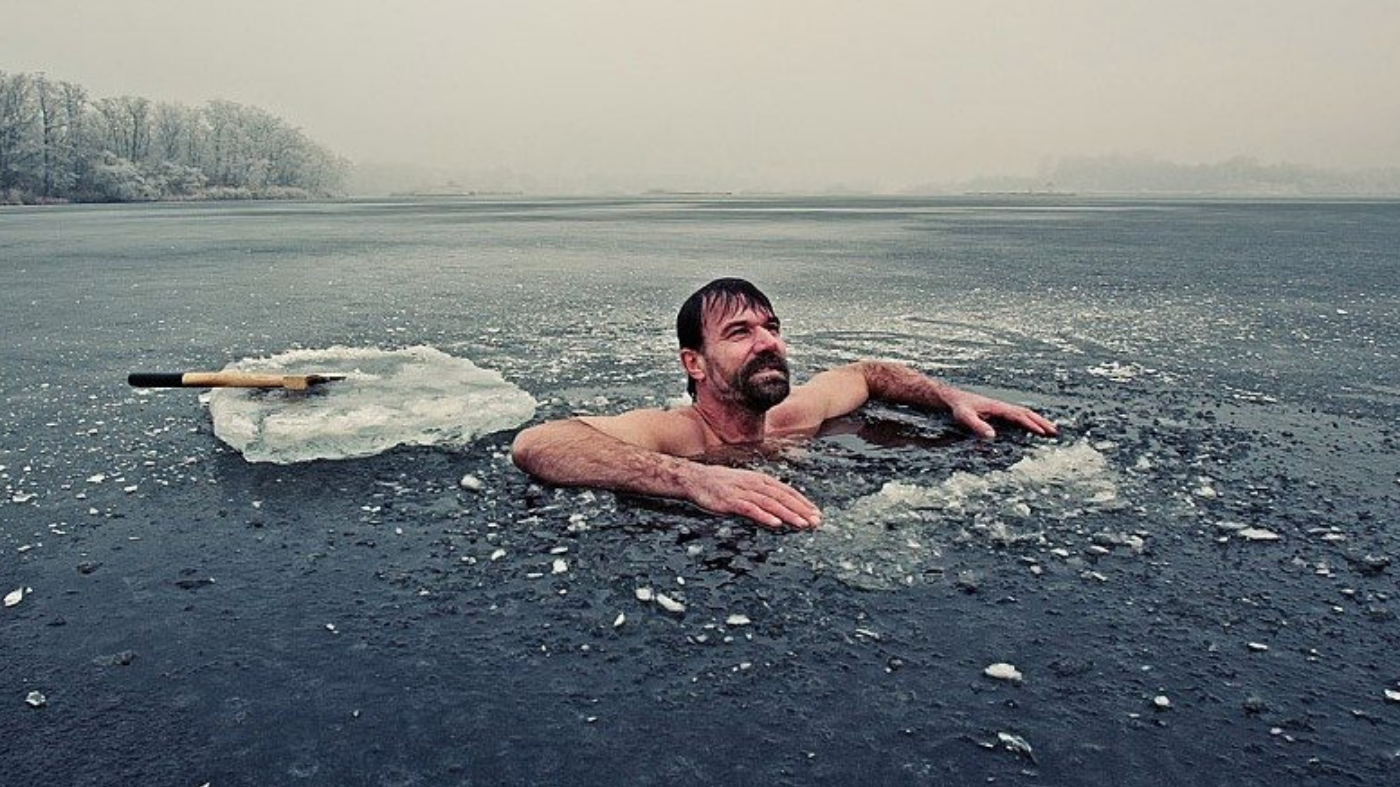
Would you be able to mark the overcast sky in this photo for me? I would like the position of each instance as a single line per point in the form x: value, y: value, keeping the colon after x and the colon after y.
x: 784, y: 94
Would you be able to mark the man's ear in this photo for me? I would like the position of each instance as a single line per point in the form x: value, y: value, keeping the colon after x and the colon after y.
x: 693, y: 363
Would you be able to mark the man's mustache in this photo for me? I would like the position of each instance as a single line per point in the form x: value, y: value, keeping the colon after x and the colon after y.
x: 764, y: 362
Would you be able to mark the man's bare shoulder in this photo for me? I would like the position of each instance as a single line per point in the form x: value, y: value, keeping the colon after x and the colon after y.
x: 827, y: 395
x: 676, y: 432
x: 803, y: 410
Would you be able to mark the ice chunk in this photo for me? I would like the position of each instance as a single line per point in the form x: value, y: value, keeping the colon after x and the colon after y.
x: 1115, y: 371
x: 413, y: 396
x: 1080, y: 474
x: 1003, y: 671
x: 866, y: 544
x: 1016, y: 745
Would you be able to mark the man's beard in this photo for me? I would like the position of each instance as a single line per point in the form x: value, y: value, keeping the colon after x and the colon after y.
x: 762, y: 395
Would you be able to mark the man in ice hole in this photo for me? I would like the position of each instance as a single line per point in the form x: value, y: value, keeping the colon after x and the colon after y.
x: 734, y: 356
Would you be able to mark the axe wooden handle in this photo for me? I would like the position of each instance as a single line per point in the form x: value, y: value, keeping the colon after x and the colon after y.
x: 292, y: 382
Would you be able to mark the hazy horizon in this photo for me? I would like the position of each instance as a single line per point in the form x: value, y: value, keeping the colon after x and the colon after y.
x: 779, y: 95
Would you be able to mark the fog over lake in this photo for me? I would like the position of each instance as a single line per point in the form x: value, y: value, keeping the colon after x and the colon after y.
x: 786, y: 95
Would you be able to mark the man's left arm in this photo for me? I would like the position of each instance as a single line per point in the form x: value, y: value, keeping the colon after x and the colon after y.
x: 839, y: 391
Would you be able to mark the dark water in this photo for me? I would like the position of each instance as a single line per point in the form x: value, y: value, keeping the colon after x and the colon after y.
x: 1214, y: 366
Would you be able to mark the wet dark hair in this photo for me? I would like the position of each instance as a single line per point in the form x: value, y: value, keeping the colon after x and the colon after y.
x: 728, y: 295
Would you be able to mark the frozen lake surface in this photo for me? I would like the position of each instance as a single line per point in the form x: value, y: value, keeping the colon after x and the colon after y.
x: 1216, y: 524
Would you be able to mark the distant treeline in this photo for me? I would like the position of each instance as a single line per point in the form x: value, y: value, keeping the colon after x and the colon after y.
x: 1239, y: 176
x: 57, y: 145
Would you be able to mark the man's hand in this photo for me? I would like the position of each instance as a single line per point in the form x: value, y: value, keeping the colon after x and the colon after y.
x: 762, y: 498
x: 972, y: 410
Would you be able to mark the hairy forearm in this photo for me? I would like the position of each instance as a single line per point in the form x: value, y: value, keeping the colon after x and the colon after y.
x: 899, y: 384
x: 572, y: 453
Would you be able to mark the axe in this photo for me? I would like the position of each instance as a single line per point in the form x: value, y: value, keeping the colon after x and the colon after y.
x: 291, y: 382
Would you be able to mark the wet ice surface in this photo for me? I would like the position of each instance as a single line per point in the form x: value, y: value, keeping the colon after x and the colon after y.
x: 189, y: 616
x: 410, y: 396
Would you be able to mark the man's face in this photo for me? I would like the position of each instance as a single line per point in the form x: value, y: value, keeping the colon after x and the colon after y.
x: 745, y: 358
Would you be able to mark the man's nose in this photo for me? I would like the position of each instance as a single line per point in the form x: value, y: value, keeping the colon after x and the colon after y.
x: 767, y: 340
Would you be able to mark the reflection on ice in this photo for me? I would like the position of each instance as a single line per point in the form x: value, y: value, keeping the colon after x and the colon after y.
x: 413, y: 396
x: 890, y: 537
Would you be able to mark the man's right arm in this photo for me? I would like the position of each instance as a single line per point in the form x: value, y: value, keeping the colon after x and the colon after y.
x: 575, y: 453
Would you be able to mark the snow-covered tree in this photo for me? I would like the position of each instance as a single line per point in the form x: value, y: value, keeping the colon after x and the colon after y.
x: 56, y: 144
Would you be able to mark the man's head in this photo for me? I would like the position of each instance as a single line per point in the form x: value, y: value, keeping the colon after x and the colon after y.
x: 729, y: 338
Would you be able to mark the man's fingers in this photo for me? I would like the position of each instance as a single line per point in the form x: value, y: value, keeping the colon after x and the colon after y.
x: 1032, y: 420
x: 793, y: 499
x: 780, y: 500
x: 1026, y: 419
x: 767, y: 486
x: 770, y: 513
x: 787, y: 505
x: 752, y: 510
x: 969, y: 417
x: 1046, y: 425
